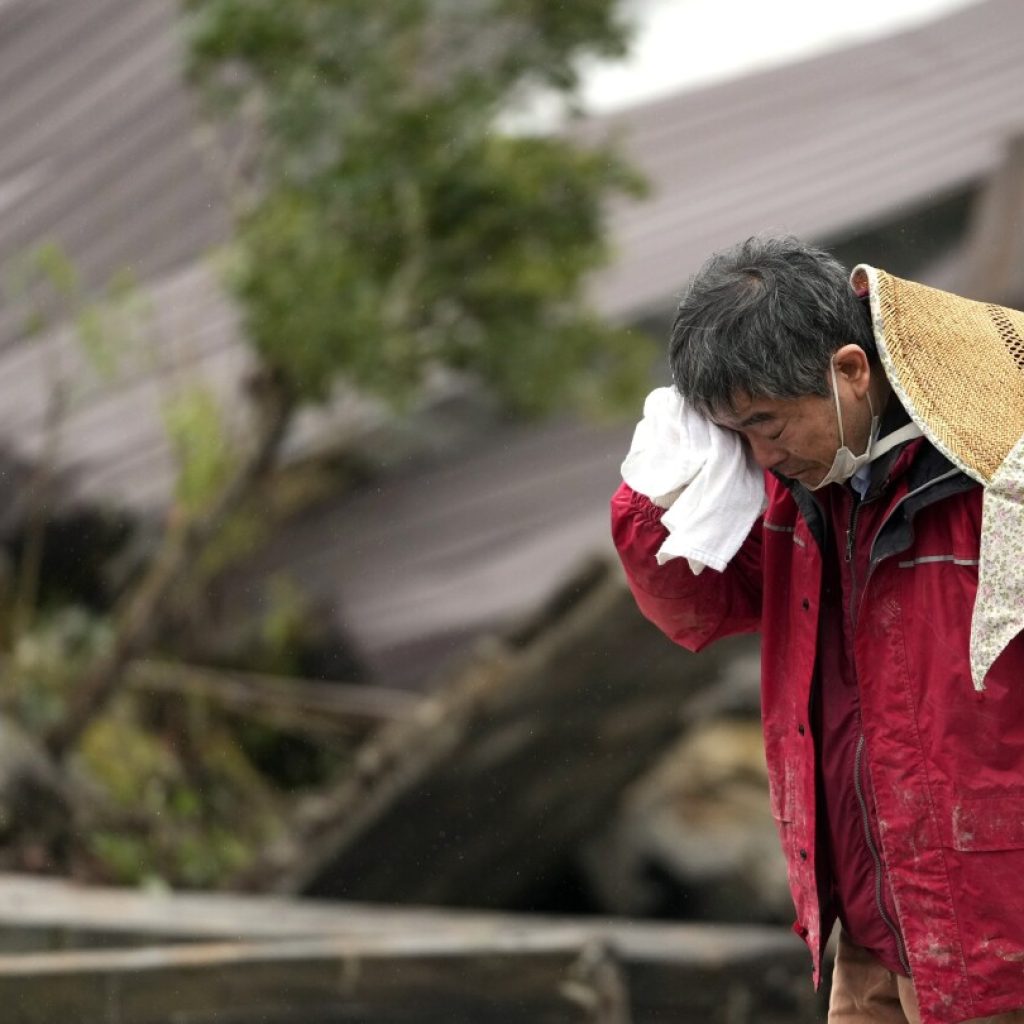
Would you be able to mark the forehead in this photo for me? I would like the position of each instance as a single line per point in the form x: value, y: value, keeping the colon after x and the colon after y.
x: 745, y: 411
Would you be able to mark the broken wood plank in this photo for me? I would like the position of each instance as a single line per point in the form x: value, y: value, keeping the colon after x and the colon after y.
x: 333, y: 979
x: 36, y: 902
x: 501, y: 774
x: 650, y: 971
x: 297, y: 704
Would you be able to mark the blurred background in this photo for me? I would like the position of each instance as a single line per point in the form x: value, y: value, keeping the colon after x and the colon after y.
x: 324, y: 328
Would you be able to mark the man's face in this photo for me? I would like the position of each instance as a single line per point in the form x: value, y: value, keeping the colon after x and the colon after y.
x: 797, y: 437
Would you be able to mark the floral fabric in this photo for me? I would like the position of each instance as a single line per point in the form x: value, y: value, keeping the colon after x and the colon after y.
x: 999, y: 607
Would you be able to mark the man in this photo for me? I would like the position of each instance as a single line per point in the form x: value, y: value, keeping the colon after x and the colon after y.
x: 892, y: 691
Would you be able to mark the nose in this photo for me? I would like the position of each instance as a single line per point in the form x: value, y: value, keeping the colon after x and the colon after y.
x: 767, y: 454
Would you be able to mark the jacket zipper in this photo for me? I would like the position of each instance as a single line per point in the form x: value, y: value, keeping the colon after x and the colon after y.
x: 851, y: 535
x: 875, y: 857
x: 859, y: 753
x: 858, y: 762
x: 851, y: 530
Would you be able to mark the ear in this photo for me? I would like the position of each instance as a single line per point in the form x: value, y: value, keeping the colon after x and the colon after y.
x: 851, y: 362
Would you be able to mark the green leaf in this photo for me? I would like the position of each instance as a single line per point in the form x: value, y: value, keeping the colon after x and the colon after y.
x: 396, y: 231
x: 199, y: 441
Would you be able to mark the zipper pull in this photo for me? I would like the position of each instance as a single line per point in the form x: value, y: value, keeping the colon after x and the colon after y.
x: 849, y: 543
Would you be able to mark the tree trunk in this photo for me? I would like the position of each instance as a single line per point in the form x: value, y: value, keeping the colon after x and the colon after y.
x: 143, y: 611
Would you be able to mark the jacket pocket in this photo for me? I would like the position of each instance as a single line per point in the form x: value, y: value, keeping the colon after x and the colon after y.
x: 985, y: 824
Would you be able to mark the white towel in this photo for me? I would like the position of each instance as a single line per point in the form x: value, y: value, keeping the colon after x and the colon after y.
x: 702, y: 474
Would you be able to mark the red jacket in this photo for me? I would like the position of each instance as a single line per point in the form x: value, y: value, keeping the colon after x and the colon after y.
x: 945, y: 762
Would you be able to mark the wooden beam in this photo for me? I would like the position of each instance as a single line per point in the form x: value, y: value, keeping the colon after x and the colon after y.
x: 342, y: 980
x: 670, y: 972
x: 311, y: 707
x: 36, y: 902
x: 508, y: 767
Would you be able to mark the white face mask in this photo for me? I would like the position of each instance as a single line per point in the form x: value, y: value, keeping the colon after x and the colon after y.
x: 845, y: 463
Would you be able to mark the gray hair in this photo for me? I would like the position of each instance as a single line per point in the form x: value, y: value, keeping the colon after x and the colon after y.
x: 763, y: 319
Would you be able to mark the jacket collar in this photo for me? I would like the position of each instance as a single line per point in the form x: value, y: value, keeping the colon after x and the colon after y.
x: 930, y: 478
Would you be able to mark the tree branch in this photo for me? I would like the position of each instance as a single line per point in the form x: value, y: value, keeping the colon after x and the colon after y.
x: 143, y: 611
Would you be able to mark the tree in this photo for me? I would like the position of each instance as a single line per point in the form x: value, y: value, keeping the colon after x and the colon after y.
x: 385, y: 227
x: 387, y: 231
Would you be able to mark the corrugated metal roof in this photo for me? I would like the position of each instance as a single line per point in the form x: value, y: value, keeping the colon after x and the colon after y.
x: 100, y: 155
x: 818, y: 148
x: 92, y: 110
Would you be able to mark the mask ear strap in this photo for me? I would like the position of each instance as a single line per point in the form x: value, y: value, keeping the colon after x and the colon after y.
x: 835, y: 395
